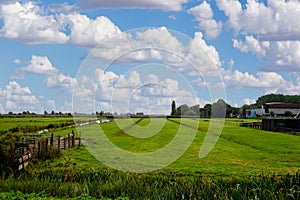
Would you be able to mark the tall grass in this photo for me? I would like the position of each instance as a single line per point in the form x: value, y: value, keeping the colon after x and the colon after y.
x: 104, y: 183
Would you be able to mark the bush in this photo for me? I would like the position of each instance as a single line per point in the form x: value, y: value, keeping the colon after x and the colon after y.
x: 9, y: 151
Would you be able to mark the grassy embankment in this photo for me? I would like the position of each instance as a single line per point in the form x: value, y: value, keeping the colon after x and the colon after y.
x: 245, y: 164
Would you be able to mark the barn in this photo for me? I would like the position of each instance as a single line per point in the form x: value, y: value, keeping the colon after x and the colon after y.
x: 277, y: 109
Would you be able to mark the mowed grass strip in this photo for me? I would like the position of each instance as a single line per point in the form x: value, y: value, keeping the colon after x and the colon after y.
x: 136, y: 144
x: 239, y: 150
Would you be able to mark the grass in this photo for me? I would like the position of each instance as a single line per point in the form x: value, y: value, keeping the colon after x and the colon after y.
x: 11, y: 122
x: 244, y: 164
x: 239, y: 150
x: 71, y: 182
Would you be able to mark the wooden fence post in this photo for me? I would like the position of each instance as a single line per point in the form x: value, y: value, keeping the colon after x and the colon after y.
x: 58, y: 143
x: 39, y: 149
x: 65, y: 142
x: 73, y: 140
x: 68, y: 140
x: 22, y: 162
x: 46, y: 145
x: 23, y: 146
x: 52, y: 139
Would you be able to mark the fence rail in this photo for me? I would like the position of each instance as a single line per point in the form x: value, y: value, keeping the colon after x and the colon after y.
x: 256, y: 125
x: 38, y: 147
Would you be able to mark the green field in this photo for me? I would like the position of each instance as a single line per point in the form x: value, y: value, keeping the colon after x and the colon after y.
x: 245, y: 163
x: 31, y: 125
x: 239, y: 150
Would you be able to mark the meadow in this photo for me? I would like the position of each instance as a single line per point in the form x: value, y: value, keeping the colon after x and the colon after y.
x: 33, y: 124
x: 245, y: 163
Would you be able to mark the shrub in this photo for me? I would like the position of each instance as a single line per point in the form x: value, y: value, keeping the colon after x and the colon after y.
x: 9, y: 151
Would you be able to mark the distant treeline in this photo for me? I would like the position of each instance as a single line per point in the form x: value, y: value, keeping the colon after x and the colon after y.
x: 32, y: 114
x: 294, y: 99
x: 220, y: 109
x: 230, y: 111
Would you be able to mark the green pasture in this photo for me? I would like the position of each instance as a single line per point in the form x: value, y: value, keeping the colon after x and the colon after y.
x: 239, y: 150
x: 11, y: 122
x: 245, y: 163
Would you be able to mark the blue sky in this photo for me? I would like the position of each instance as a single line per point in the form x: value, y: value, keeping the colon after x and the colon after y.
x: 54, y: 54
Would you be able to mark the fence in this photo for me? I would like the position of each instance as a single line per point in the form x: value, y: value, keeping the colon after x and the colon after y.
x: 256, y: 125
x: 39, y: 147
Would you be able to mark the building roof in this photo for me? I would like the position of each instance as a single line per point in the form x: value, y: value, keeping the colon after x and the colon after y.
x: 283, y: 105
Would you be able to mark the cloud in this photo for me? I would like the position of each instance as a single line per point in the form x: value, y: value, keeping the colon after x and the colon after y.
x: 129, y: 92
x: 88, y: 32
x: 159, y: 45
x: 204, y: 15
x: 39, y: 65
x: 17, y: 62
x: 270, y: 82
x: 246, y: 101
x: 51, y: 104
x: 153, y: 44
x: 251, y: 45
x: 271, y: 31
x: 54, y: 78
x: 173, y: 17
x: 16, y: 99
x: 206, y: 56
x: 62, y: 8
x: 27, y: 23
x: 281, y: 55
x: 276, y: 21
x: 167, y: 5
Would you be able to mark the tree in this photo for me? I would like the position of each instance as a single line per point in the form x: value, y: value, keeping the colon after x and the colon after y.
x: 196, y: 109
x: 182, y: 109
x: 288, y: 113
x: 219, y: 109
x: 45, y: 112
x: 173, y: 107
x: 208, y: 107
x: 277, y: 98
x: 243, y: 110
x: 190, y: 113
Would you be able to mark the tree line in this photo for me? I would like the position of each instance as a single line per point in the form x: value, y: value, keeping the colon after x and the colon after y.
x: 222, y: 109
x: 218, y: 109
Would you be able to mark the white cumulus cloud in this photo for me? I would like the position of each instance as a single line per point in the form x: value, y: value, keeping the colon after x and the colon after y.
x: 89, y: 32
x: 204, y: 15
x: 278, y: 20
x: 27, y: 23
x: 17, y: 99
x: 54, y: 78
x: 167, y: 5
x: 271, y: 31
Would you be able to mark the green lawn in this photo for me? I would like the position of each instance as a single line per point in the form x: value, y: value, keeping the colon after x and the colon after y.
x: 239, y: 150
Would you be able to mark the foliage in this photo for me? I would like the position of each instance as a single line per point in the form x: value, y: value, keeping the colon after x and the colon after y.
x: 74, y: 182
x: 39, y: 196
x: 9, y: 151
x: 46, y: 151
x: 173, y: 108
x: 277, y: 98
x: 288, y: 113
x: 185, y: 110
